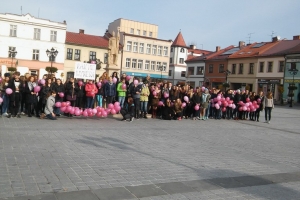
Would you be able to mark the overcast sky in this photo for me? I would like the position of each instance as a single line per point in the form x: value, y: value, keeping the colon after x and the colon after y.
x: 206, y: 23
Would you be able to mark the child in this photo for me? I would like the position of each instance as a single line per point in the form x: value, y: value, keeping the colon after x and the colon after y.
x: 49, y: 108
x: 129, y: 112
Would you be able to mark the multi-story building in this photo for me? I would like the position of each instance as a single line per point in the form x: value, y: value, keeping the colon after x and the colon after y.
x: 182, y: 58
x: 81, y: 47
x: 142, y: 52
x: 30, y: 37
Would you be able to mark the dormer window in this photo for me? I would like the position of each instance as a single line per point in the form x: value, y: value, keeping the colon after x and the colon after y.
x: 182, y: 50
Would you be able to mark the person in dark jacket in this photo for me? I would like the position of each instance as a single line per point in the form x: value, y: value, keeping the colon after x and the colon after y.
x: 196, y: 100
x: 110, y: 91
x: 15, y: 97
x: 80, y: 95
x: 5, y: 97
x: 258, y: 110
x: 31, y: 97
x: 71, y: 93
x: 44, y: 93
x: 237, y: 98
x: 58, y: 87
x: 167, y: 111
x: 128, y: 112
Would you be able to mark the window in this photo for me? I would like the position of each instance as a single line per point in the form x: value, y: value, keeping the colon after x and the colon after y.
x: 127, y: 62
x: 241, y: 68
x: 35, y: 54
x: 152, y: 65
x: 182, y: 73
x: 182, y: 50
x: 77, y: 54
x: 158, y: 64
x: 164, y: 66
x: 53, y: 35
x: 133, y: 66
x: 132, y: 31
x: 147, y: 64
x: 233, y: 69
x: 281, y: 66
x: 165, y: 51
x: 138, y: 32
x: 154, y: 49
x: 210, y: 68
x: 191, y: 71
x: 105, y: 58
x: 171, y: 60
x: 150, y: 34
x: 141, y: 47
x: 270, y: 66
x: 37, y: 34
x: 172, y: 49
x: 200, y: 70
x: 70, y: 74
x: 221, y: 68
x: 140, y: 64
x: 251, y: 68
x: 92, y: 55
x: 181, y: 60
x: 148, y: 51
x: 69, y: 54
x: 261, y: 66
x: 159, y: 49
x: 13, y: 31
x: 135, y: 47
x: 11, y: 49
x: 144, y: 33
x: 170, y: 72
x: 293, y: 66
x: 129, y: 44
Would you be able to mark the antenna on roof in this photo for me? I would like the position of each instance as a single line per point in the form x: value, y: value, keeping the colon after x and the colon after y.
x: 272, y: 35
x: 249, y: 37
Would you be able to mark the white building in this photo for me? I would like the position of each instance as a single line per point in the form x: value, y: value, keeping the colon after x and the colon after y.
x: 31, y: 37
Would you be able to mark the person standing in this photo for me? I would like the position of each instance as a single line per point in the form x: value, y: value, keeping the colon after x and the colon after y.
x: 58, y: 87
x: 5, y: 97
x: 144, y: 99
x: 91, y: 90
x: 31, y: 97
x: 121, y: 92
x: 110, y: 91
x: 258, y: 110
x: 15, y: 98
x: 268, y: 106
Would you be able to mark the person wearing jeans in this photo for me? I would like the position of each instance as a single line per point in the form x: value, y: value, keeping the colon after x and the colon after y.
x: 49, y: 111
x: 91, y: 90
x: 144, y: 99
x: 110, y: 91
x: 121, y: 92
x: 268, y: 106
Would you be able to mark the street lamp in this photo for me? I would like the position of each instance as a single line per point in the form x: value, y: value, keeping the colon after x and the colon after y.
x: 293, y: 72
x: 226, y: 72
x: 161, y: 68
x: 51, y: 54
x: 12, y: 52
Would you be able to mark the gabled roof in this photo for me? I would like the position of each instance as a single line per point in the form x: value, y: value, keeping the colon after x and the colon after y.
x: 86, y: 40
x: 179, y: 41
x: 255, y: 49
x: 282, y: 48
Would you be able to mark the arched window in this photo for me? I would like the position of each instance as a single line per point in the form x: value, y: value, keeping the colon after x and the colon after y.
x: 182, y: 50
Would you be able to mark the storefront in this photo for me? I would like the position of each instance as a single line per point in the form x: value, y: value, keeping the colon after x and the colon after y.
x: 153, y: 77
x: 267, y: 85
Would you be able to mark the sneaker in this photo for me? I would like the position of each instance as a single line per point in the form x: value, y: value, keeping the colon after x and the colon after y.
x: 22, y: 113
x: 8, y: 115
x: 42, y: 116
x: 198, y: 118
x: 5, y: 114
x: 18, y: 116
x: 131, y: 119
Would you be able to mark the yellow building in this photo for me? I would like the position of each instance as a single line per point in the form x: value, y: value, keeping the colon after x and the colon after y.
x: 81, y: 47
x: 142, y: 52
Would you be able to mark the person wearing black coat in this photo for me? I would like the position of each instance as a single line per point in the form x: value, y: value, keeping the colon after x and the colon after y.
x: 71, y: 91
x: 237, y: 98
x: 31, y: 97
x: 167, y: 111
x: 196, y: 100
x: 80, y: 91
x: 15, y: 98
x: 258, y: 110
x: 58, y: 87
x: 45, y: 89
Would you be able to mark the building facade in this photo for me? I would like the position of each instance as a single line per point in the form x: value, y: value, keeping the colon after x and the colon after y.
x: 30, y: 37
x: 142, y: 52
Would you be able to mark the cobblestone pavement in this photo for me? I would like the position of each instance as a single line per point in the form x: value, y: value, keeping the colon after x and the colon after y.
x: 153, y: 159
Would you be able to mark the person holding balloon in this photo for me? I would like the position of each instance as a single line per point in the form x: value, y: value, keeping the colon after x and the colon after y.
x: 156, y: 94
x: 178, y: 108
x: 259, y: 99
x: 196, y: 102
x: 59, y: 88
x: 14, y: 91
x: 31, y: 90
x: 100, y: 93
x: 80, y: 94
x: 121, y: 89
x: 204, y: 104
x: 5, y: 98
x: 49, y: 108
x: 91, y: 90
x: 136, y: 95
x: 110, y: 91
x: 128, y: 112
x: 71, y: 93
x: 144, y: 99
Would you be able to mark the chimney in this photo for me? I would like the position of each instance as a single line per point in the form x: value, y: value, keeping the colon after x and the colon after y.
x: 296, y: 37
x: 81, y: 31
x: 65, y: 22
x: 275, y: 39
x: 218, y: 48
x: 241, y: 44
x: 193, y: 46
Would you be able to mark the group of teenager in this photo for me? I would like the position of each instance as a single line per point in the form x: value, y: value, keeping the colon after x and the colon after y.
x: 138, y: 98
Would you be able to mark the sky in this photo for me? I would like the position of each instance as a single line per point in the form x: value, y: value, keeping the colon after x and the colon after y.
x: 204, y: 23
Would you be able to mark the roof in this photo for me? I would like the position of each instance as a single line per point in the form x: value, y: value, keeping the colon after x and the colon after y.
x: 255, y: 49
x: 86, y: 40
x: 151, y: 38
x: 281, y: 48
x: 198, y: 52
x: 294, y: 50
x: 179, y: 41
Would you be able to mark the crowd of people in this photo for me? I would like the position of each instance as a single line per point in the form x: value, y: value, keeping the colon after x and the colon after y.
x: 139, y: 98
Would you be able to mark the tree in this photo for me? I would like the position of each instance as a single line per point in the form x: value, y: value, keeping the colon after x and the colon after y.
x: 12, y: 69
x: 51, y: 70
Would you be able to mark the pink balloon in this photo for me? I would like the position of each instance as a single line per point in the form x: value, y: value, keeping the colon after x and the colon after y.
x: 85, y: 113
x: 0, y: 80
x: 135, y: 82
x: 89, y: 110
x: 244, y: 108
x: 233, y: 106
x: 113, y: 111
x: 247, y: 104
x: 77, y: 112
x: 63, y: 109
x: 95, y: 111
x: 42, y: 81
x: 240, y: 108
x: 63, y: 104
x: 219, y: 98
x: 128, y: 78
x: 222, y: 99
x: 258, y: 100
x: 68, y: 103
x: 230, y: 105
x: 247, y: 100
x: 185, y: 98
x: 257, y: 106
x: 215, y: 99
x: 160, y: 103
x: 254, y: 102
x: 69, y: 108
x: 61, y: 95
x: 183, y: 105
x: 99, y: 114
x: 107, y: 111
x: 118, y: 108
x: 58, y: 104
x: 91, y: 114
x: 166, y: 95
x: 223, y: 109
x: 99, y: 109
x: 104, y: 114
x: 196, y: 107
x: 99, y: 84
x: 217, y: 106
x: 227, y: 99
x: 80, y: 83
x: 114, y: 80
x: 1, y: 100
x: 248, y: 109
x: 116, y: 104
x: 110, y: 106
x: 154, y: 93
x: 124, y: 86
x: 37, y: 89
x: 219, y: 102
x: 72, y: 111
x: 225, y: 104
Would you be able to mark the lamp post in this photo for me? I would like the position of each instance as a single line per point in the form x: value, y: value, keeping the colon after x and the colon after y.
x: 13, y: 54
x: 51, y: 54
x: 161, y: 68
x: 293, y: 72
x: 226, y: 72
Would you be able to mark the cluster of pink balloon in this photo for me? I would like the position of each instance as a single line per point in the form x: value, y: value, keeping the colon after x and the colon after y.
x: 249, y: 106
x: 89, y: 112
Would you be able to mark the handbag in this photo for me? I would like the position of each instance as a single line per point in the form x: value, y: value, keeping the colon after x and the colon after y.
x: 71, y: 97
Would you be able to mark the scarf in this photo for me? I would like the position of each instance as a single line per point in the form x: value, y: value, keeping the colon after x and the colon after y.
x: 31, y: 85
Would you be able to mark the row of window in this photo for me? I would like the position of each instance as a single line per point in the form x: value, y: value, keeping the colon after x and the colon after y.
x: 36, y: 33
x: 35, y: 54
x: 150, y: 49
x: 149, y: 65
x: 92, y: 55
x: 138, y: 32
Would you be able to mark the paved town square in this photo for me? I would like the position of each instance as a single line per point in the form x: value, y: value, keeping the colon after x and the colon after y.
x: 94, y: 158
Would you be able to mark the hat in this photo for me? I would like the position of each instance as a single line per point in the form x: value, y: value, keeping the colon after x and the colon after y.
x: 7, y: 75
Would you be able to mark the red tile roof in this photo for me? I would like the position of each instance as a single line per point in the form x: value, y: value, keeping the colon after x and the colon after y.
x: 282, y: 48
x: 86, y: 40
x: 179, y: 41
